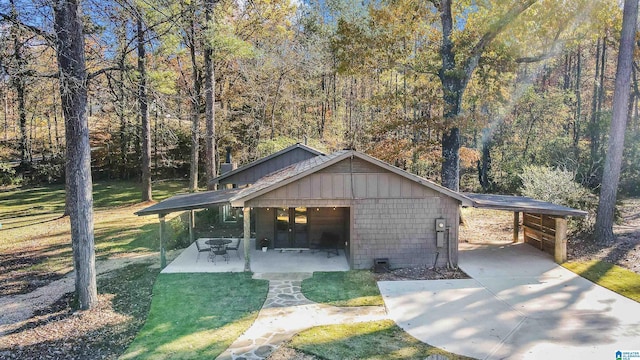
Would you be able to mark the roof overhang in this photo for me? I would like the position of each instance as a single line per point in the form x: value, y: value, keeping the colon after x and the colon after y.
x: 193, y: 201
x: 521, y: 204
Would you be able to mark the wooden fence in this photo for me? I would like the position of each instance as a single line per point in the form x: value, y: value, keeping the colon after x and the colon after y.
x: 547, y: 233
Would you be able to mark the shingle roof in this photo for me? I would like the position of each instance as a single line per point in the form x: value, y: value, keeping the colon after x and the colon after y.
x: 289, y: 172
x: 266, y: 158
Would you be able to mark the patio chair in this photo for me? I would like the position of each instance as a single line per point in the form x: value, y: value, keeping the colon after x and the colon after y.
x: 234, y: 245
x: 328, y: 242
x: 201, y: 248
x: 219, y: 251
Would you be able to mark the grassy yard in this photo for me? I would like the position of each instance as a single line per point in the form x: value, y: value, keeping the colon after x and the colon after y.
x: 197, y: 316
x: 612, y: 277
x: 370, y: 340
x: 351, y: 288
x: 35, y: 241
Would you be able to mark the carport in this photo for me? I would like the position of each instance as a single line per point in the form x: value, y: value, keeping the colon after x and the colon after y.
x: 544, y: 224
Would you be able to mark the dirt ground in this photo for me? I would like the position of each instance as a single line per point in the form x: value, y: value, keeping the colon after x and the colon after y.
x: 496, y: 227
x: 625, y: 251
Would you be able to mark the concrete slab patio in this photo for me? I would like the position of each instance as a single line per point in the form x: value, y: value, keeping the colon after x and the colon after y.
x: 518, y: 305
x: 261, y: 262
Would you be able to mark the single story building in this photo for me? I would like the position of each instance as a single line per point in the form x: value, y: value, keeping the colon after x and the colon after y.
x: 346, y: 200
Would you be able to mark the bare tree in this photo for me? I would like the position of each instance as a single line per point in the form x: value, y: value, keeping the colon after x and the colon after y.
x: 613, y: 160
x: 73, y: 94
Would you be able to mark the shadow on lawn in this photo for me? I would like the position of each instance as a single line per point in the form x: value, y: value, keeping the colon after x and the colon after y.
x: 28, y: 223
x: 127, y: 292
x: 197, y: 315
x: 24, y: 271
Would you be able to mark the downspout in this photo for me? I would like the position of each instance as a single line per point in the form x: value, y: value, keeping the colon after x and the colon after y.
x: 449, y: 247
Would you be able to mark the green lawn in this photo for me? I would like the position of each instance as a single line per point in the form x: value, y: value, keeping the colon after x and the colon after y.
x: 30, y: 201
x: 612, y: 277
x: 36, y: 241
x: 370, y: 340
x: 197, y: 316
x: 350, y: 288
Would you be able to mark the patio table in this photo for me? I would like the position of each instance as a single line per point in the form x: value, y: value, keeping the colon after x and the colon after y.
x: 217, y: 242
x: 218, y: 247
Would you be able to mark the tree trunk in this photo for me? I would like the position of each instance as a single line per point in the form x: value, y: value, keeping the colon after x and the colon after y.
x: 144, y: 112
x: 453, y: 84
x: 484, y: 164
x: 455, y: 79
x: 6, y: 113
x: 124, y: 142
x: 18, y: 82
x: 55, y: 120
x: 603, y: 63
x: 195, y: 110
x: 578, y: 116
x: 613, y: 160
x: 594, y: 128
x: 209, y: 98
x: 73, y: 94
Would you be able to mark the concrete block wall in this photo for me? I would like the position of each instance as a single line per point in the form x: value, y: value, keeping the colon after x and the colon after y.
x: 402, y: 230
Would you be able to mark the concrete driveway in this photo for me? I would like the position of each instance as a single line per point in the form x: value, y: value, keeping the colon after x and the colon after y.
x: 518, y: 305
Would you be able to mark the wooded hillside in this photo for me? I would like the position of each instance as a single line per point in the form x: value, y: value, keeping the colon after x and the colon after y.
x: 502, y: 85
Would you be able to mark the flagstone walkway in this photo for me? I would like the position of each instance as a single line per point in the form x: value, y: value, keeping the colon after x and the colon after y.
x: 287, y: 312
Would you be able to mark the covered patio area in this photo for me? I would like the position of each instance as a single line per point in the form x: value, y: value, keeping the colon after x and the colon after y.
x: 261, y: 262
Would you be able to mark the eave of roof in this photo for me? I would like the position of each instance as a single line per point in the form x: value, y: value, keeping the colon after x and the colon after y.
x: 521, y: 204
x: 193, y: 201
x: 266, y: 158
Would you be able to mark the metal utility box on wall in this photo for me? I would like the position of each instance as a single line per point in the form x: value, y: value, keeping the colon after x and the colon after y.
x: 441, y: 226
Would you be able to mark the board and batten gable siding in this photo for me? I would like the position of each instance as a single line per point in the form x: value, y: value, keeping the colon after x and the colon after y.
x: 336, y: 183
x: 253, y: 173
x: 390, y: 216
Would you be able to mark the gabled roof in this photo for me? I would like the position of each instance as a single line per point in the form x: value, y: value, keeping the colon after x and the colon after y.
x: 304, y: 168
x: 267, y: 158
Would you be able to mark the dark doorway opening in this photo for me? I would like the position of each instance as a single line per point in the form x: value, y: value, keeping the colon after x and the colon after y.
x: 292, y: 229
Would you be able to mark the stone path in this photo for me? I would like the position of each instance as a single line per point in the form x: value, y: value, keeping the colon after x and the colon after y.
x: 286, y: 312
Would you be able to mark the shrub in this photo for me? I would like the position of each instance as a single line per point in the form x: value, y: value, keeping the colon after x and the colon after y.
x: 48, y: 171
x: 178, y: 232
x: 8, y: 175
x: 559, y: 187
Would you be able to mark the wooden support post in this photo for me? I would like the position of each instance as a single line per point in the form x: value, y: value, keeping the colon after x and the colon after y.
x: 192, y: 225
x: 163, y: 255
x: 560, y: 253
x: 516, y: 227
x: 246, y: 212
